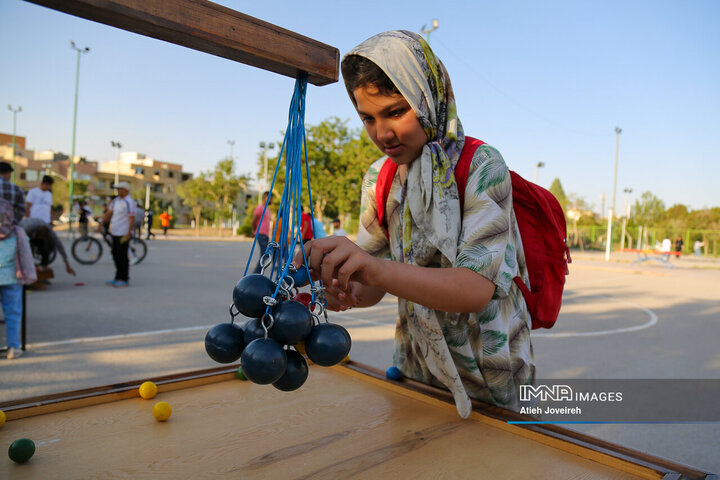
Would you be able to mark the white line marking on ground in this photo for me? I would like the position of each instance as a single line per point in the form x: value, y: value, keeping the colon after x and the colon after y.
x: 653, y: 320
x: 73, y: 341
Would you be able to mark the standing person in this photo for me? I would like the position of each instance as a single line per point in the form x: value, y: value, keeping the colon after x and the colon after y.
x: 338, y: 231
x: 148, y: 222
x: 319, y: 228
x: 14, y: 251
x: 165, y: 218
x: 666, y: 246
x: 121, y: 215
x: 306, y: 226
x: 38, y: 203
x: 84, y: 214
x: 12, y: 193
x: 679, y: 244
x: 697, y: 247
x: 462, y: 321
x: 261, y: 228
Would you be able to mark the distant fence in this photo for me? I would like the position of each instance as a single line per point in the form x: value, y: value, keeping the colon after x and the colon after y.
x: 595, y: 237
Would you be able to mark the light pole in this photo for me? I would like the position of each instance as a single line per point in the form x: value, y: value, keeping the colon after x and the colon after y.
x: 117, y: 159
x: 15, y: 112
x: 232, y: 144
x: 625, y: 218
x: 611, y: 212
x: 265, y: 147
x: 627, y: 191
x: 428, y: 31
x: 538, y: 165
x: 71, y: 173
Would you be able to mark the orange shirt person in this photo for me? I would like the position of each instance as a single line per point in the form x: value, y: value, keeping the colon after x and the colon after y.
x: 165, y: 218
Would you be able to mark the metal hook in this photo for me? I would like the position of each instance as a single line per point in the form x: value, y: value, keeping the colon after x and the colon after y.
x: 233, y: 315
x: 267, y: 327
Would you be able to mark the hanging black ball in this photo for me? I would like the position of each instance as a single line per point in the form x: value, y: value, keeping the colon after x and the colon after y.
x: 300, y: 276
x: 249, y: 292
x: 224, y: 342
x: 264, y: 361
x: 293, y: 322
x: 328, y: 344
x: 295, y: 374
x: 253, y: 329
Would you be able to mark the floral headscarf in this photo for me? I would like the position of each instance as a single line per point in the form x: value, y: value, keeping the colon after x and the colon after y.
x: 421, y: 78
x: 431, y: 207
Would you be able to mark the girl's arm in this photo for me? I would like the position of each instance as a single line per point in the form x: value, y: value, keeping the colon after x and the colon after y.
x: 339, y: 262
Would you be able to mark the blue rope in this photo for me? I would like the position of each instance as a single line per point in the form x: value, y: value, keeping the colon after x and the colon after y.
x: 294, y: 148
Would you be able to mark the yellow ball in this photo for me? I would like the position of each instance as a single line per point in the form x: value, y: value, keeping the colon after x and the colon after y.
x: 148, y: 390
x: 2, y: 418
x: 162, y: 411
x: 300, y: 348
x: 346, y: 359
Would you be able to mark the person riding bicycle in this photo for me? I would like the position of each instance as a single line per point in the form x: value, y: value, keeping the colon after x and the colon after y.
x: 45, y: 240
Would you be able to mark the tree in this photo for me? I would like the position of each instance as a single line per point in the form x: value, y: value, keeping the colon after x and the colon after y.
x: 194, y: 194
x: 223, y: 188
x: 338, y: 158
x: 557, y: 190
x: 649, y: 210
x: 61, y: 191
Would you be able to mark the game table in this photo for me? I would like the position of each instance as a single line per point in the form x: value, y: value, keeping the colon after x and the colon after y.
x: 347, y: 421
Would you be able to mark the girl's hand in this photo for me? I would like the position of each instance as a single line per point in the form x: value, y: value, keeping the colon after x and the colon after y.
x: 339, y: 259
x: 340, y: 300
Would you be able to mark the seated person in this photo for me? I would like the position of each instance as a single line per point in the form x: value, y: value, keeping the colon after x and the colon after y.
x: 44, y: 240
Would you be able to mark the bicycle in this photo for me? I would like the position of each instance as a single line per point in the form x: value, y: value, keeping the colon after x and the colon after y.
x: 87, y: 249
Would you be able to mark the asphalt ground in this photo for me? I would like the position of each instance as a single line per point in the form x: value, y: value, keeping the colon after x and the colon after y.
x: 618, y: 321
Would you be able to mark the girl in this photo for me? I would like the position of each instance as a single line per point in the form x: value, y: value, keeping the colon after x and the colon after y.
x: 16, y: 268
x: 463, y: 323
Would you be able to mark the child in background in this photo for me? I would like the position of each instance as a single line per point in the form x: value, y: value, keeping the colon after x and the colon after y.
x: 463, y: 323
x: 16, y: 268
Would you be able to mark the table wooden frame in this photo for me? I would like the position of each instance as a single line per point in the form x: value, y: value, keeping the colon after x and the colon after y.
x: 615, y: 456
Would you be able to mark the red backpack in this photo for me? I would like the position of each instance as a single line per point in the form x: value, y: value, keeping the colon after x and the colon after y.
x: 542, y: 230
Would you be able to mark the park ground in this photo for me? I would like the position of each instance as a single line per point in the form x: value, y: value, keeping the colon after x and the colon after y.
x: 619, y: 320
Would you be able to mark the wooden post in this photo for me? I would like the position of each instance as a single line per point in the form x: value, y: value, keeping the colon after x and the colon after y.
x: 211, y: 28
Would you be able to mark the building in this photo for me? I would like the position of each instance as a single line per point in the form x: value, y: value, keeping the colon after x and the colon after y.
x: 145, y: 174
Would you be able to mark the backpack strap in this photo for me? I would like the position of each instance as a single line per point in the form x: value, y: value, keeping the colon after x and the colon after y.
x: 462, y: 168
x: 389, y: 169
x: 382, y: 190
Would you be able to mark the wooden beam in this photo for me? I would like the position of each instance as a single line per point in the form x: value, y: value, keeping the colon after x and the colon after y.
x: 212, y: 28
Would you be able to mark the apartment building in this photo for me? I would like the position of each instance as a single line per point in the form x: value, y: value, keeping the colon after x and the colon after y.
x: 145, y: 173
x: 142, y: 172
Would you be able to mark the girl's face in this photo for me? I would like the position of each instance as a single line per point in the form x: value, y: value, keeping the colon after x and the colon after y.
x: 391, y: 124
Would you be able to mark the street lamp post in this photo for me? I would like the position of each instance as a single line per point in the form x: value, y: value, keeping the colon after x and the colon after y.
x: 232, y: 144
x: 428, y: 31
x: 611, y: 212
x: 117, y: 159
x: 538, y: 165
x: 265, y: 147
x: 15, y: 112
x: 71, y: 174
x: 625, y: 218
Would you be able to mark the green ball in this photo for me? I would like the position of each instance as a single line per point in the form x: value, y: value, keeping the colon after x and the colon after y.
x: 240, y: 374
x: 21, y: 450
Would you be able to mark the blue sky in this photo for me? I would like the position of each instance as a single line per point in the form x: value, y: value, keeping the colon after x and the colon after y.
x: 541, y: 81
